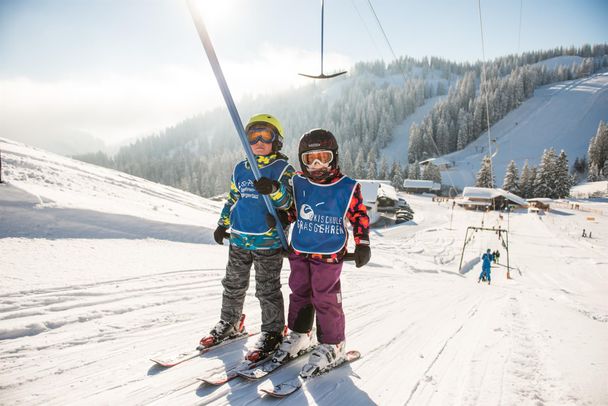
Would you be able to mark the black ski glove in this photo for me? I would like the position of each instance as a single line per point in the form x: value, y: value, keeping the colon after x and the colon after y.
x: 282, y: 216
x: 362, y: 255
x: 219, y: 234
x: 266, y: 186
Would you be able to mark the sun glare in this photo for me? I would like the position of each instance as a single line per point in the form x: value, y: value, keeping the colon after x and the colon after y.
x: 214, y: 12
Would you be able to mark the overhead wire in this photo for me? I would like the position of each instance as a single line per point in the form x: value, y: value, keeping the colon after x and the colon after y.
x: 366, y: 28
x: 483, y: 80
x: 521, y: 8
x: 369, y: 2
x: 371, y: 7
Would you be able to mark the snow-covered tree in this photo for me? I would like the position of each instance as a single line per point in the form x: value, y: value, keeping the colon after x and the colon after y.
x: 598, y: 152
x: 383, y: 170
x: 580, y: 165
x: 371, y: 170
x: 563, y: 181
x: 545, y: 180
x: 485, y: 176
x: 415, y: 144
x: 431, y: 172
x: 511, y: 181
x: 395, y: 167
x: 397, y: 179
x: 346, y: 162
x: 526, y: 182
x: 359, y: 166
x: 414, y: 171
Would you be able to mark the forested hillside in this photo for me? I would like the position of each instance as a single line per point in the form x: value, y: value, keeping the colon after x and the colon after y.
x: 362, y: 109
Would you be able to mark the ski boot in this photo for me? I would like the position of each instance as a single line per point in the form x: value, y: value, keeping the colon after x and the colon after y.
x: 324, y: 357
x: 223, y: 331
x: 268, y: 342
x: 292, y: 345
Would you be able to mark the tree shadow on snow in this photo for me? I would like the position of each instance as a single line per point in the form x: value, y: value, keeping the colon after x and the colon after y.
x: 22, y: 217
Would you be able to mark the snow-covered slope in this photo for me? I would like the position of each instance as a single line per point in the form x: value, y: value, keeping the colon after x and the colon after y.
x: 566, y: 61
x: 101, y: 270
x: 397, y: 150
x: 562, y: 115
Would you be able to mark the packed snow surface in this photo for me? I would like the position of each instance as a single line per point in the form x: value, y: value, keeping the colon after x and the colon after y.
x: 101, y: 270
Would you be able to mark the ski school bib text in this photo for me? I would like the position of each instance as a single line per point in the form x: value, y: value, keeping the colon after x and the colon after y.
x: 248, y: 215
x: 321, y: 210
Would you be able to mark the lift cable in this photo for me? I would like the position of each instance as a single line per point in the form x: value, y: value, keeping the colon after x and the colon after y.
x: 484, y: 80
x: 404, y: 78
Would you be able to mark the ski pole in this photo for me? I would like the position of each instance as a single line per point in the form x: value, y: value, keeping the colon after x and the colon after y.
x: 234, y: 114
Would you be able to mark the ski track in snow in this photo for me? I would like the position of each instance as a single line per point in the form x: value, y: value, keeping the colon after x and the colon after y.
x: 80, y: 320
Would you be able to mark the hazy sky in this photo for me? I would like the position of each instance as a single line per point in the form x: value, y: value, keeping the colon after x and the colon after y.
x: 117, y: 69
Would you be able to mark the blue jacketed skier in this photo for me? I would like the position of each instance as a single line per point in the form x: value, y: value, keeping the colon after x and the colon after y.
x: 486, y: 266
x: 253, y: 240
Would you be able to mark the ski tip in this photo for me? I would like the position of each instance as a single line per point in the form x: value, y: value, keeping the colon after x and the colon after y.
x: 162, y: 363
x: 352, y: 355
x: 213, y: 382
x: 271, y: 393
x: 283, y: 389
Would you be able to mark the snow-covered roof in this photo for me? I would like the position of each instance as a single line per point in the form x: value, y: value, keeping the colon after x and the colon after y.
x: 421, y: 184
x: 471, y: 202
x: 387, y: 191
x: 541, y: 199
x: 373, y: 189
x: 369, y: 190
x: 480, y: 192
x: 514, y: 198
x: 471, y: 192
x: 436, y: 161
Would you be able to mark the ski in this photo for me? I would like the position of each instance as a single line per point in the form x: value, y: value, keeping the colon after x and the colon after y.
x: 288, y: 387
x: 230, y: 374
x: 172, y: 360
x: 271, y: 365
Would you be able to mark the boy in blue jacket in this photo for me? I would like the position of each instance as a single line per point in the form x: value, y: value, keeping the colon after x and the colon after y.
x: 253, y: 240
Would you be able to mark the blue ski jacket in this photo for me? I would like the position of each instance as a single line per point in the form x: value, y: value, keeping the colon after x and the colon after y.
x: 487, y: 261
x: 250, y: 238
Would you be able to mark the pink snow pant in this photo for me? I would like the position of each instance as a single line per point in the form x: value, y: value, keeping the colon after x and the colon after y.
x: 315, y: 288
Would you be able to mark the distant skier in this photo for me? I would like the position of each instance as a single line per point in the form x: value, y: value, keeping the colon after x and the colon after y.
x: 487, y: 259
x: 324, y: 198
x: 495, y: 256
x: 584, y: 233
x: 253, y: 240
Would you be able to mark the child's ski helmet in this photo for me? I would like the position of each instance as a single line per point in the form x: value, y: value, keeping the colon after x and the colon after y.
x: 271, y: 121
x: 318, y: 139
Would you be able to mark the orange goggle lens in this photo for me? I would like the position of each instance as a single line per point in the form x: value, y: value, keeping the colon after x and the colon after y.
x: 323, y: 157
x: 266, y: 135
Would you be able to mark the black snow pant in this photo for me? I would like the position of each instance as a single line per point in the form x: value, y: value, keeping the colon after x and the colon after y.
x: 267, y: 264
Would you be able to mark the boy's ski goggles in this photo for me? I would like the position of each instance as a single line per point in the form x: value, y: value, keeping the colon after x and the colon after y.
x: 323, y: 158
x: 264, y: 134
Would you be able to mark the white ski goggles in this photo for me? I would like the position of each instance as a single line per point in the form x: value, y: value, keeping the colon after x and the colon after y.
x: 319, y: 157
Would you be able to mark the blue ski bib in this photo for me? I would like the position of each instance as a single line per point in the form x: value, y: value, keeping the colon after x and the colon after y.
x: 321, y: 211
x: 248, y: 214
